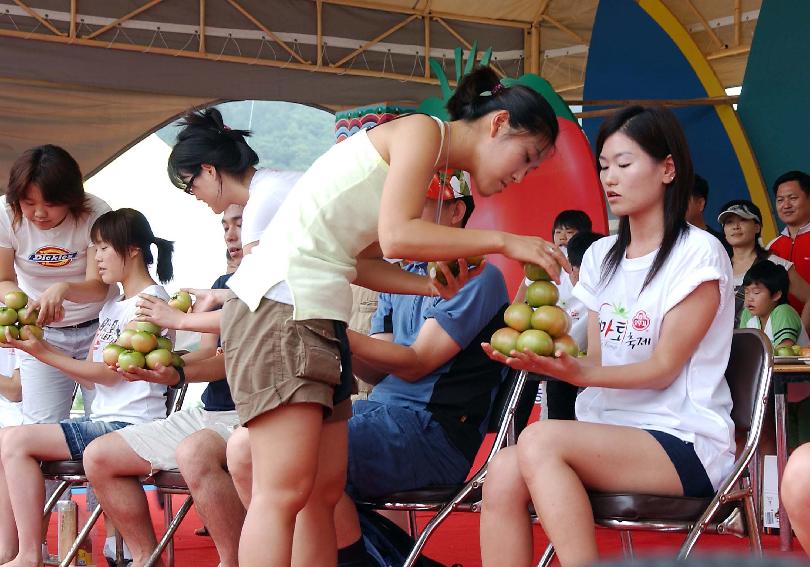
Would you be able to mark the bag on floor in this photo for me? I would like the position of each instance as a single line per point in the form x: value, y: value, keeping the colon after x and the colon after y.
x: 387, y: 542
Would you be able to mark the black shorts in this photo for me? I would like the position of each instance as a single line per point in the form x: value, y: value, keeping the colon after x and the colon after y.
x: 693, y: 476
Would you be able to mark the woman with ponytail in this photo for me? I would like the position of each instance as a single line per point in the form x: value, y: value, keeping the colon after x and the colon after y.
x: 655, y: 413
x: 286, y: 347
x: 122, y: 241
x: 46, y: 251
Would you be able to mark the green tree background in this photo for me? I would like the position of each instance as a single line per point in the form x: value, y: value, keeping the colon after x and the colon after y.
x: 286, y: 135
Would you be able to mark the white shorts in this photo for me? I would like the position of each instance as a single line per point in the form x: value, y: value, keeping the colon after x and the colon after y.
x: 47, y: 392
x: 157, y: 441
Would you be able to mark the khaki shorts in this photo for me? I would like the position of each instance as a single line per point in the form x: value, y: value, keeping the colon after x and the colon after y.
x: 157, y: 441
x: 272, y: 360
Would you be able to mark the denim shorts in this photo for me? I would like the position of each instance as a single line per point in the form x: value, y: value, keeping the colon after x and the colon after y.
x: 693, y: 475
x: 79, y: 432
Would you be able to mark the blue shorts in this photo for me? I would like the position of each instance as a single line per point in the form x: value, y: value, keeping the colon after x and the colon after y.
x: 693, y: 476
x: 392, y: 449
x: 79, y: 432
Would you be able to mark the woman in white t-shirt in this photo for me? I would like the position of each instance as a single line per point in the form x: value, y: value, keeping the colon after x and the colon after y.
x: 655, y: 413
x: 44, y: 249
x: 742, y: 225
x: 122, y: 242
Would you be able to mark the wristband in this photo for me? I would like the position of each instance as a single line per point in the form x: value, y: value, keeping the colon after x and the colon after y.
x: 182, y: 381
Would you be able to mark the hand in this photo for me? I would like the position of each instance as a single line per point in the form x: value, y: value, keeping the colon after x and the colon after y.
x: 50, y: 304
x: 564, y: 367
x: 165, y: 375
x: 454, y: 283
x: 157, y: 311
x: 207, y: 299
x: 32, y: 346
x: 534, y: 249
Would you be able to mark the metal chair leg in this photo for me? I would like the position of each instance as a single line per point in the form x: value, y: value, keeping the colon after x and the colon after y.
x: 752, y: 526
x: 169, y: 534
x: 548, y: 555
x: 412, y: 528
x: 627, y: 544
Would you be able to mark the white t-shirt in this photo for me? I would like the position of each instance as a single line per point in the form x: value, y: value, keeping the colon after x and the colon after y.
x: 131, y: 402
x: 268, y: 189
x: 46, y: 257
x: 696, y: 406
x: 10, y: 412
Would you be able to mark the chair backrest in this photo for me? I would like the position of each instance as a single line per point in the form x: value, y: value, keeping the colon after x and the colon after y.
x: 748, y: 375
x: 522, y: 409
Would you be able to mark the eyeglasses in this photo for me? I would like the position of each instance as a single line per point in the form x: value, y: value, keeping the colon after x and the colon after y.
x: 188, y: 186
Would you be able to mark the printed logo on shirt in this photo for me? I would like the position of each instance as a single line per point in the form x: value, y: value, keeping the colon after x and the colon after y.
x: 52, y: 257
x: 641, y: 321
x: 107, y: 333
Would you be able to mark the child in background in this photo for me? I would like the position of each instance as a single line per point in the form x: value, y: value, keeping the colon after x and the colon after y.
x: 567, y: 224
x: 766, y: 305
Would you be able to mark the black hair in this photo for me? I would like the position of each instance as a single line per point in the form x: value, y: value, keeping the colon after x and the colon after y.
x: 480, y: 92
x: 579, y: 244
x: 761, y: 253
x: 573, y: 218
x: 795, y: 175
x: 659, y: 134
x: 700, y: 188
x: 125, y: 228
x: 772, y: 276
x: 205, y: 139
x: 57, y: 175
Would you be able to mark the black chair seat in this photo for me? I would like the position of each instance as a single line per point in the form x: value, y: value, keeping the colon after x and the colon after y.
x: 433, y: 495
x: 169, y: 480
x: 635, y: 507
x: 62, y: 468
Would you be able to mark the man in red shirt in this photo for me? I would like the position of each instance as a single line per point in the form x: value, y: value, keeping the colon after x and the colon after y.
x: 792, y: 191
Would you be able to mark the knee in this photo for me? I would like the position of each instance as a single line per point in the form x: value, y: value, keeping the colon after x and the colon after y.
x: 99, y: 459
x: 795, y: 486
x: 199, y: 456
x: 238, y: 457
x: 13, y: 444
x: 503, y: 482
x: 540, y: 443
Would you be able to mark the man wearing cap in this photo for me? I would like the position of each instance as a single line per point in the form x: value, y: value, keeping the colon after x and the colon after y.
x: 792, y: 190
x: 427, y: 414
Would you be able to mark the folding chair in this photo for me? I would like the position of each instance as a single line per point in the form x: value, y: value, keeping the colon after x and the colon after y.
x: 510, y: 413
x: 733, y: 510
x: 71, y: 473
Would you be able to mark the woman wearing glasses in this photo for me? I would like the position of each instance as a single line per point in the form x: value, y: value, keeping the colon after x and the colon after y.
x: 46, y: 251
x: 742, y: 225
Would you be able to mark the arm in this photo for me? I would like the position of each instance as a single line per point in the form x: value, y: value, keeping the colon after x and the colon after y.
x: 682, y: 329
x: 10, y: 387
x: 402, y: 232
x: 91, y: 290
x: 432, y: 348
x: 208, y: 348
x: 157, y: 311
x: 8, y: 277
x: 85, y: 372
x: 210, y: 369
x: 362, y: 369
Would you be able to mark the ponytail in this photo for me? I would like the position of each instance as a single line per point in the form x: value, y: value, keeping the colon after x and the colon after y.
x: 481, y: 92
x: 165, y: 249
x: 205, y: 139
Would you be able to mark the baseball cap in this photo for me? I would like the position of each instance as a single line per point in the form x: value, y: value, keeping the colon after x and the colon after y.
x: 449, y: 184
x: 743, y: 209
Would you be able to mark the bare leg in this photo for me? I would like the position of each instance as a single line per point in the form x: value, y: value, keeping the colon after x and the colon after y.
x: 347, y: 523
x: 9, y: 544
x: 201, y: 458
x: 22, y: 449
x: 240, y: 465
x: 113, y: 468
x: 795, y: 492
x: 506, y: 532
x: 315, y: 544
x: 284, y: 445
x: 559, y: 460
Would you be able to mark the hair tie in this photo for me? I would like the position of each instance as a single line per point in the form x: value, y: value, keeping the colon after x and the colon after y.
x: 497, y: 89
